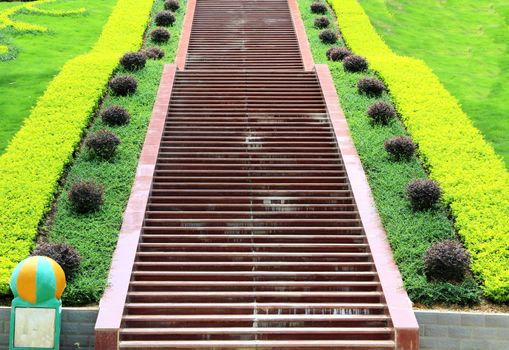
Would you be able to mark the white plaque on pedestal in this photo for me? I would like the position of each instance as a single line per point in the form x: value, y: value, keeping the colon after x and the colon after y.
x: 34, y: 328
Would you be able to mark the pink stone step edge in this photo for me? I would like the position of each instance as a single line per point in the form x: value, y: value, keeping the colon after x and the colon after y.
x: 300, y: 32
x: 185, y: 35
x: 111, y: 306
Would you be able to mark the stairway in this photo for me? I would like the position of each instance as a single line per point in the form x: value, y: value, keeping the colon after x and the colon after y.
x: 251, y: 237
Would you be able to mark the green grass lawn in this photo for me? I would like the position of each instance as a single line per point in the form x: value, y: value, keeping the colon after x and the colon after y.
x: 41, y: 56
x: 466, y: 43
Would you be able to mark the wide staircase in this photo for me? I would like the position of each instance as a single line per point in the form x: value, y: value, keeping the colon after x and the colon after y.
x: 251, y: 238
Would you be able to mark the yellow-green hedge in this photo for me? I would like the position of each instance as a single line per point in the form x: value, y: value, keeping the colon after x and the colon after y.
x: 35, y: 159
x: 474, y: 178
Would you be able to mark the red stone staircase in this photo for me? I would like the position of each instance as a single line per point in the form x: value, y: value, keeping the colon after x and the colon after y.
x: 250, y: 237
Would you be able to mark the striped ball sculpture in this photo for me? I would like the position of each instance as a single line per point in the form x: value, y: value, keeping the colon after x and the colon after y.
x: 38, y: 280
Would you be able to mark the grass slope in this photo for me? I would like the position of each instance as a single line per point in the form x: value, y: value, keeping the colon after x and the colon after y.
x: 409, y: 233
x: 95, y: 235
x: 466, y: 43
x: 41, y: 56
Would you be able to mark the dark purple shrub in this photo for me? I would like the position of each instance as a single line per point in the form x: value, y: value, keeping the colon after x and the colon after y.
x: 86, y: 196
x: 123, y: 85
x: 446, y: 261
x: 318, y: 7
x: 381, y: 112
x: 164, y: 18
x: 154, y: 53
x: 337, y: 53
x: 354, y: 63
x: 103, y: 144
x: 115, y: 116
x: 172, y: 5
x: 132, y: 61
x: 328, y: 36
x: 160, y: 35
x: 64, y: 254
x: 371, y: 87
x: 400, y: 147
x: 423, y: 194
x: 321, y: 22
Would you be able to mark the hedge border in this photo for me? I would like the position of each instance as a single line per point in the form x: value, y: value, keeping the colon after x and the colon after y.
x: 473, y: 177
x: 36, y: 157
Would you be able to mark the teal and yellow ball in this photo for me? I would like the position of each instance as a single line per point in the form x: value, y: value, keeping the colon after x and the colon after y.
x: 38, y: 279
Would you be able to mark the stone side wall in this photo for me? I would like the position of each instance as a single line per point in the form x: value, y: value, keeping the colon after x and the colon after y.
x: 77, y: 328
x: 463, y: 330
x: 438, y: 330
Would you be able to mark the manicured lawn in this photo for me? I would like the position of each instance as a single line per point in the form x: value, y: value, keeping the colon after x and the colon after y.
x: 466, y: 43
x: 409, y: 233
x: 95, y: 235
x: 41, y: 56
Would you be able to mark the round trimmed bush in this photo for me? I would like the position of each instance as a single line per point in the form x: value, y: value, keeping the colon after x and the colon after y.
x: 132, y: 61
x: 103, y: 144
x: 318, y: 7
x: 321, y: 22
x: 400, y: 147
x: 123, y: 85
x: 423, y: 194
x: 164, y: 18
x: 115, y: 116
x: 354, y: 63
x: 154, y: 53
x: 86, y: 196
x: 337, y: 53
x: 328, y: 36
x: 446, y: 261
x: 381, y: 112
x: 371, y: 87
x: 172, y: 5
x: 160, y: 35
x: 64, y: 254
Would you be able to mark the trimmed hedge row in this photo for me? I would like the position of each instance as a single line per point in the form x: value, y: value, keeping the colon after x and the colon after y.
x: 473, y: 177
x: 36, y: 157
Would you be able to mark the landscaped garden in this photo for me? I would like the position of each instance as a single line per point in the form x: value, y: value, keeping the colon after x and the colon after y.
x: 473, y: 179
x: 465, y: 43
x: 37, y: 41
x: 75, y: 109
x: 49, y: 146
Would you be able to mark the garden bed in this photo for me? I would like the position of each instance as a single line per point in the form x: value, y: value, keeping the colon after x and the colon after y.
x: 410, y: 233
x: 473, y: 177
